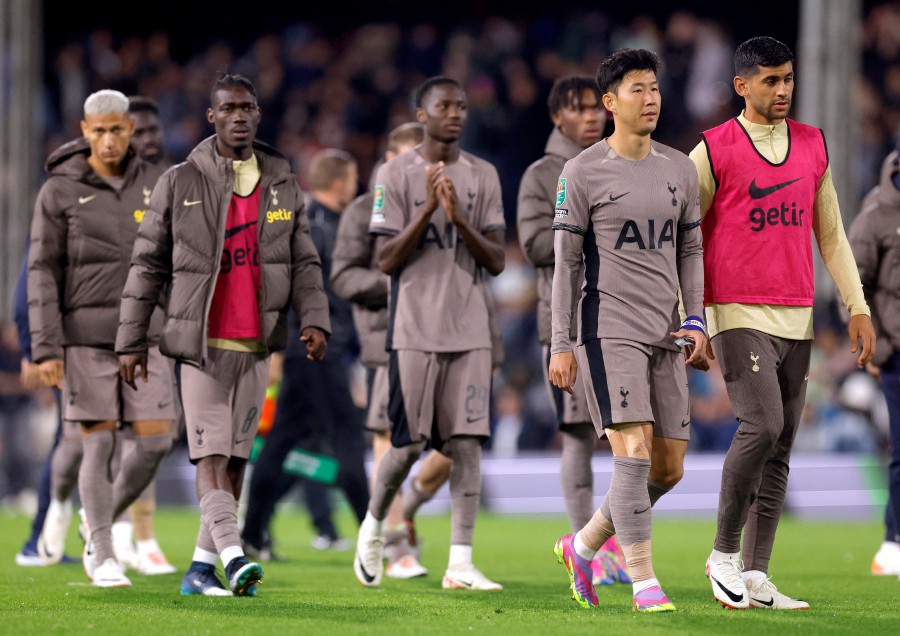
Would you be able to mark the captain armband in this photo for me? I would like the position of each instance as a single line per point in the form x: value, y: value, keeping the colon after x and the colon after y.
x: 694, y: 323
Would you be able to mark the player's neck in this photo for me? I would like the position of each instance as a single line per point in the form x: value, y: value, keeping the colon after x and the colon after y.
x: 629, y: 145
x: 435, y: 150
x: 104, y: 169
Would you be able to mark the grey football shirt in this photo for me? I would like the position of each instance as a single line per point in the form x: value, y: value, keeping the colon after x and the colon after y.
x: 635, y: 225
x: 437, y: 299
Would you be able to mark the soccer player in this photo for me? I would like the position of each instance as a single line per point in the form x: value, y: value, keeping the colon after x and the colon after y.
x: 85, y: 222
x: 627, y: 208
x: 765, y: 182
x: 438, y: 217
x: 314, y: 399
x: 143, y: 555
x: 355, y: 277
x: 578, y: 119
x: 226, y: 233
x: 149, y: 135
x: 873, y: 237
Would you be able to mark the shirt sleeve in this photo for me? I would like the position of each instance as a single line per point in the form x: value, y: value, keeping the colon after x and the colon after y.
x: 534, y: 216
x: 389, y: 205
x: 570, y: 222
x: 46, y: 265
x: 352, y: 277
x: 690, y: 250
x: 492, y: 217
x: 700, y: 156
x: 835, y: 248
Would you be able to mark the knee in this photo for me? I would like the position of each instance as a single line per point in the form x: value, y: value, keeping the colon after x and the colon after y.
x: 667, y: 476
x: 155, y: 446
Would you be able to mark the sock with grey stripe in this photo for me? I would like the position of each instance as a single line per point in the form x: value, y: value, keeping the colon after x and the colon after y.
x: 575, y: 472
x: 95, y: 487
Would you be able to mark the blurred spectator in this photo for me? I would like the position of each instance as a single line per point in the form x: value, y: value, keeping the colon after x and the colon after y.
x: 17, y: 461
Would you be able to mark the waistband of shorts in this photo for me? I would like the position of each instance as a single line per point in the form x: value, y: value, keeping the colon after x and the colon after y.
x: 244, y: 345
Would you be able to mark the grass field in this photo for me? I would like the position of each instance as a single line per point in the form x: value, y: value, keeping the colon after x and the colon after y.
x: 316, y: 593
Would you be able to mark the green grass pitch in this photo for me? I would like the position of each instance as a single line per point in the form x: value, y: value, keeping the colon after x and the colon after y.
x: 316, y: 593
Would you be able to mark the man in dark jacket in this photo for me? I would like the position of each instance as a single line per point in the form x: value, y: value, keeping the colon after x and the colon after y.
x: 875, y: 239
x: 85, y: 223
x: 227, y: 237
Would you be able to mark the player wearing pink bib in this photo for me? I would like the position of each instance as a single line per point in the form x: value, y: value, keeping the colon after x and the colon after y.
x: 765, y: 186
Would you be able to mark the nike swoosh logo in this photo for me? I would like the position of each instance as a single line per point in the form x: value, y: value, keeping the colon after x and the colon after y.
x: 188, y: 204
x: 471, y: 419
x: 638, y: 512
x: 737, y: 598
x: 767, y: 604
x: 419, y: 204
x: 612, y: 198
x: 83, y: 200
x: 163, y: 405
x: 758, y: 193
x: 231, y: 232
x: 362, y: 568
x: 240, y: 441
x: 685, y: 424
x: 465, y: 583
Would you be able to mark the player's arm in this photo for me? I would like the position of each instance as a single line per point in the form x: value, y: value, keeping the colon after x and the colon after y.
x: 700, y: 156
x: 690, y: 275
x: 46, y: 263
x: 534, y: 216
x: 568, y: 247
x: 351, y: 276
x: 395, y: 249
x: 151, y: 269
x: 838, y: 258
x: 485, y: 243
x: 866, y: 246
x: 307, y: 289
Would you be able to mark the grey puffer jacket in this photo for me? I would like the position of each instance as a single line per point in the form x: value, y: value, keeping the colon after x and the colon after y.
x: 875, y: 239
x: 180, y: 245
x: 82, y: 234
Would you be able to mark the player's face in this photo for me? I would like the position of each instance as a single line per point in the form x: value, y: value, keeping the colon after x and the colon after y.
x: 147, y: 139
x: 768, y: 92
x: 235, y: 114
x: 444, y: 112
x: 108, y: 136
x: 636, y: 104
x: 583, y: 119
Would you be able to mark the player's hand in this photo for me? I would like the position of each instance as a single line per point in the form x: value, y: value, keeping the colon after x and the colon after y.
x: 563, y: 371
x: 432, y: 178
x: 52, y: 372
x: 30, y: 375
x: 316, y: 345
x: 447, y: 195
x: 696, y: 355
x: 128, y: 367
x: 874, y: 371
x: 861, y: 328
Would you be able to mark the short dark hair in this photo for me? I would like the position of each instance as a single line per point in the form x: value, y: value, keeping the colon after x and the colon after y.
x: 329, y: 164
x: 431, y: 82
x: 142, y: 104
x: 567, y: 91
x: 227, y: 80
x: 760, y: 51
x: 624, y: 61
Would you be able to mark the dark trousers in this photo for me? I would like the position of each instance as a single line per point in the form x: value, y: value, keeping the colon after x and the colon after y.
x: 314, y: 404
x: 766, y: 380
x: 890, y: 384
